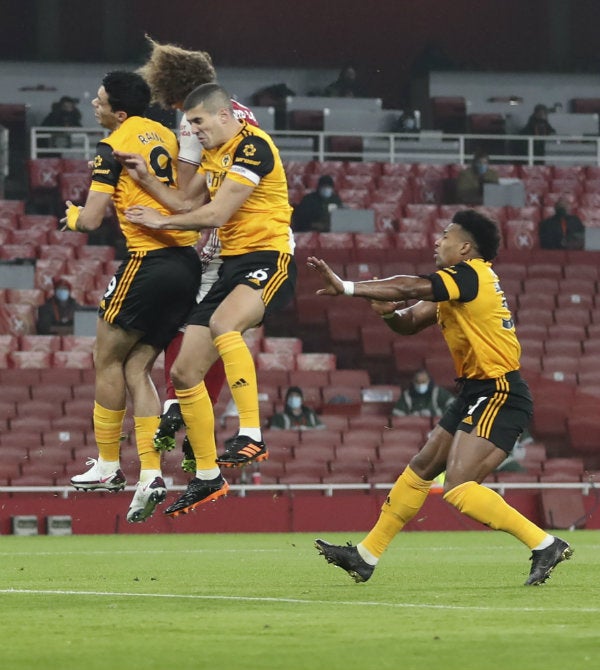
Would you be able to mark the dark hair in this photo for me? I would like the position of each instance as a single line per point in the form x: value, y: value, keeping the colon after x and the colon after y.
x: 484, y: 231
x: 294, y: 389
x: 213, y: 95
x: 325, y: 180
x: 127, y: 92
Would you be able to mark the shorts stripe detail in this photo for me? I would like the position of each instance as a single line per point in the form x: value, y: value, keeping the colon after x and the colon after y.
x: 116, y: 303
x: 484, y: 427
x: 278, y: 278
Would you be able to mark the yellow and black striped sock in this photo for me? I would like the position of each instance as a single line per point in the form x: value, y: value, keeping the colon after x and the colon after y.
x: 404, y: 500
x: 486, y: 506
x: 241, y: 377
x: 198, y: 414
x: 108, y: 424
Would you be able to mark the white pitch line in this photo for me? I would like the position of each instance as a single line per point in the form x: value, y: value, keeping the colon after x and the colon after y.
x: 138, y: 551
x: 298, y: 601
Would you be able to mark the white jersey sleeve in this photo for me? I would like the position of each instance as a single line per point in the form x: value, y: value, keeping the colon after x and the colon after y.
x: 190, y: 147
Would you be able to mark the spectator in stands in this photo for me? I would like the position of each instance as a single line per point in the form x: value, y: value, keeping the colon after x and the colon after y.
x: 493, y: 407
x: 56, y: 316
x: 538, y: 125
x: 295, y: 415
x: 469, y: 184
x: 313, y: 212
x: 66, y: 114
x: 346, y: 85
x: 562, y: 230
x: 423, y: 397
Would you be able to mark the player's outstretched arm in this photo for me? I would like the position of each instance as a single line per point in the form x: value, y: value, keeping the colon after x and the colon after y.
x: 392, y: 289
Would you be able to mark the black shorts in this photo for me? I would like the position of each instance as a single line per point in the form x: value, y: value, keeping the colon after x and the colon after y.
x: 499, y: 409
x: 270, y: 271
x: 153, y: 292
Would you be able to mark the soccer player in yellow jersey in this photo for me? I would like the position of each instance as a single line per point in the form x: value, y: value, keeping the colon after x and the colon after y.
x: 494, y: 405
x: 241, y: 189
x: 146, y: 301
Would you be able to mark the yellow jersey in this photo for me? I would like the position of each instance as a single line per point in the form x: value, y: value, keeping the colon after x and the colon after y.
x: 158, y: 145
x: 262, y: 223
x: 475, y: 320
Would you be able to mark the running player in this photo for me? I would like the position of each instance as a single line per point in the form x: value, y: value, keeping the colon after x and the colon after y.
x: 480, y: 428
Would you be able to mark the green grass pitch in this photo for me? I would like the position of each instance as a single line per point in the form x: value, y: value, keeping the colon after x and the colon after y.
x: 267, y: 601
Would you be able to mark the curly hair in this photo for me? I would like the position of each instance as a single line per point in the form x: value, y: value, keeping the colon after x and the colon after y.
x: 172, y: 72
x: 483, y: 230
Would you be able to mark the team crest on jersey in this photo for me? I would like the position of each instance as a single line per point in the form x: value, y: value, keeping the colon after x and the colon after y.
x: 249, y: 150
x: 97, y: 161
x: 226, y: 160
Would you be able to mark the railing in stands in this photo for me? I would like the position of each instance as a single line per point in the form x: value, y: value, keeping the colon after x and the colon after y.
x: 426, y: 146
x: 328, y: 489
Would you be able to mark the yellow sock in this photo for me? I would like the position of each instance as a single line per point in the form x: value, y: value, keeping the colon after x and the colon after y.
x: 145, y: 427
x: 241, y: 376
x: 108, y: 424
x: 404, y: 500
x: 489, y: 508
x: 197, y: 412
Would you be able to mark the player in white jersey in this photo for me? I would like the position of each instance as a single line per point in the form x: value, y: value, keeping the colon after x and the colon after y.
x: 172, y: 73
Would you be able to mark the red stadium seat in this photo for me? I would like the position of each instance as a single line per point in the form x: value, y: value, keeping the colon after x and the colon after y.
x: 99, y: 252
x: 449, y: 113
x: 397, y: 169
x: 17, y: 319
x: 73, y: 359
x: 75, y: 165
x: 387, y: 216
x: 26, y: 296
x: 531, y: 347
x: 538, y: 269
x: 32, y: 237
x: 520, y: 235
x: 373, y: 247
x: 83, y: 343
x: 303, y: 472
x: 413, y: 241
x: 282, y: 344
x: 363, y: 270
x: 56, y: 251
x: 44, y: 409
x: 357, y: 378
x: 74, y: 186
x: 11, y: 252
x: 427, y: 212
x: 10, y: 210
x: 39, y: 221
x: 47, y: 343
x: 43, y: 173
x: 275, y: 361
x: 353, y: 470
x: 355, y: 198
x: 315, y: 361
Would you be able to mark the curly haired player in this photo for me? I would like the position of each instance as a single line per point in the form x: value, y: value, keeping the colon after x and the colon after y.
x: 172, y: 72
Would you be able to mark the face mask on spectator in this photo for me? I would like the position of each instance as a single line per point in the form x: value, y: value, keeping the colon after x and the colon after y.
x: 294, y: 402
x: 481, y: 167
x: 421, y: 388
x: 326, y: 192
x: 62, y: 294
